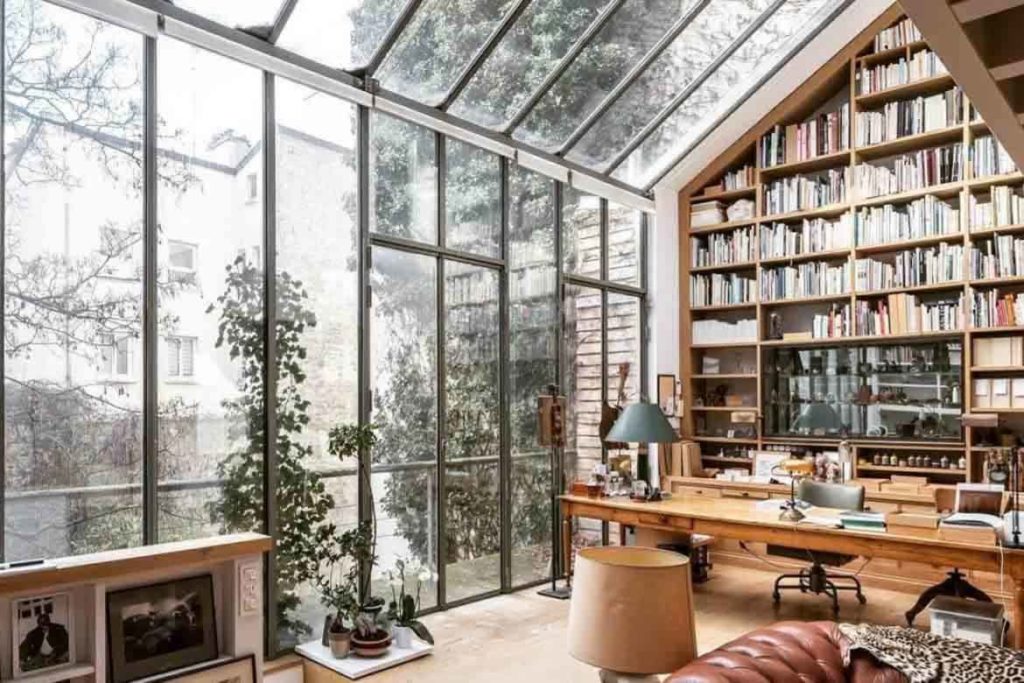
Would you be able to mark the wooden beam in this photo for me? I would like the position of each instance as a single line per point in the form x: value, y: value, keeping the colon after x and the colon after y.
x: 945, y: 35
x: 972, y: 10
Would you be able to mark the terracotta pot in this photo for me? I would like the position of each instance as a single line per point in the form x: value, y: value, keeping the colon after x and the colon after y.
x: 340, y: 643
x: 375, y: 646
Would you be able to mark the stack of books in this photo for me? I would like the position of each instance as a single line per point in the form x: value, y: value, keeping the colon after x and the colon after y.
x: 988, y: 157
x: 906, y: 314
x: 706, y: 213
x: 943, y: 263
x: 862, y: 521
x: 993, y: 309
x: 925, y: 217
x: 910, y: 117
x: 1001, y: 256
x: 911, y: 171
x: 798, y: 193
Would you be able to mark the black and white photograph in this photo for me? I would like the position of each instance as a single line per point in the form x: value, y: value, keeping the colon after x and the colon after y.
x: 161, y: 627
x: 42, y: 633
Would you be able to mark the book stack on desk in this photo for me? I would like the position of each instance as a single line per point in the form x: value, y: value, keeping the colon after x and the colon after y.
x: 862, y: 521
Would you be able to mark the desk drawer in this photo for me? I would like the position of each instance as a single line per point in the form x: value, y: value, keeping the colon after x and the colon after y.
x: 658, y: 520
x: 698, y: 491
x: 745, y: 493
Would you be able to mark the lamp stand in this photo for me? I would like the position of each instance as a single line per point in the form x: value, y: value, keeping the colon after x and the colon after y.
x: 607, y: 676
x: 792, y: 513
x: 565, y: 592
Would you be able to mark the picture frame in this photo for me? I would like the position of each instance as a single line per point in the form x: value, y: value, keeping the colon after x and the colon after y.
x: 158, y: 628
x: 667, y: 394
x: 236, y: 670
x: 765, y: 463
x: 43, y: 634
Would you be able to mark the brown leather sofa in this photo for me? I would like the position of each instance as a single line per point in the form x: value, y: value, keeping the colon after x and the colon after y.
x: 787, y: 652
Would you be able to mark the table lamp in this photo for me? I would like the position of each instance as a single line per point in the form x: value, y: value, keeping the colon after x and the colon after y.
x: 796, y: 468
x: 642, y: 423
x: 631, y: 613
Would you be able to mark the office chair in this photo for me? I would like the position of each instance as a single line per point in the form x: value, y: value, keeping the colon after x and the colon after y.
x: 816, y: 579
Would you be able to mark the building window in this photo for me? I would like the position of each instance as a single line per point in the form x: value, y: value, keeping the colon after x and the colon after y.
x: 115, y: 356
x: 181, y: 257
x: 181, y: 354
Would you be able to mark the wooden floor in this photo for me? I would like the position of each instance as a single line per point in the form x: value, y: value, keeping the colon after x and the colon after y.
x: 521, y: 637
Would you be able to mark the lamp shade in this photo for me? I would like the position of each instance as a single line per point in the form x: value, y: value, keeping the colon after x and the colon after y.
x: 642, y: 423
x: 632, y: 610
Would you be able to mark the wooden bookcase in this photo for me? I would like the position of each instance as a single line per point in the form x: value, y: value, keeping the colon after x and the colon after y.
x: 834, y: 82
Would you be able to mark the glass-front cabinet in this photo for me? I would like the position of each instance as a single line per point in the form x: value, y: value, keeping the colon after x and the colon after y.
x: 891, y: 391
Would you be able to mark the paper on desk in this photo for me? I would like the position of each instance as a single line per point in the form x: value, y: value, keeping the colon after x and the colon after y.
x: 822, y: 520
x: 769, y: 504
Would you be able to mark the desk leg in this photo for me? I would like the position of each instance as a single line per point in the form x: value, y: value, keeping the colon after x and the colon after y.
x: 1018, y: 614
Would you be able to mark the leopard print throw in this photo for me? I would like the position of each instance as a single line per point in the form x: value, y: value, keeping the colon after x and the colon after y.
x: 926, y: 658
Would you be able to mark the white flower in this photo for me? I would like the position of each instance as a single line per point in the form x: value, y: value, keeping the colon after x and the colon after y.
x: 396, y: 582
x: 425, y: 575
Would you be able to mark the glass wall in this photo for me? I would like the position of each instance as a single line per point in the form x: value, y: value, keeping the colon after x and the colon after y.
x: 415, y: 281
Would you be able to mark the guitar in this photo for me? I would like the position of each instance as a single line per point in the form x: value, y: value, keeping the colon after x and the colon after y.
x: 610, y: 413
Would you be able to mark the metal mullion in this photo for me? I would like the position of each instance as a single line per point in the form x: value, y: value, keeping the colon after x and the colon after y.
x: 484, y: 52
x: 635, y: 73
x: 441, y: 342
x: 558, y: 470
x: 364, y: 255
x: 644, y: 333
x: 270, y: 461
x: 3, y: 287
x: 604, y: 388
x: 151, y: 303
x: 563, y: 64
x: 395, y: 32
x: 597, y: 283
x: 283, y: 15
x: 692, y: 87
x: 407, y: 245
x: 839, y: 9
x: 504, y: 399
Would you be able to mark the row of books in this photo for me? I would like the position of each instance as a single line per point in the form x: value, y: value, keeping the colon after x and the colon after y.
x: 721, y: 289
x: 1004, y: 207
x: 897, y: 35
x: 911, y: 268
x: 923, y: 64
x: 988, y: 157
x: 837, y: 322
x: 738, y: 178
x: 723, y: 248
x: 712, y: 331
x: 907, y: 314
x: 1001, y: 256
x: 804, y: 280
x: 910, y: 117
x: 911, y: 171
x: 994, y: 309
x: 925, y: 217
x: 825, y: 133
x: 812, y: 235
x: 800, y: 192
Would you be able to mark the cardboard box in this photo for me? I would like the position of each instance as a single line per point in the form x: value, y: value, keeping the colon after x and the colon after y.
x: 1017, y: 392
x: 981, y: 396
x: 998, y: 352
x: 1000, y: 392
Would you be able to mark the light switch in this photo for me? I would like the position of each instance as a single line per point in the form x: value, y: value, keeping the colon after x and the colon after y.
x: 250, y: 590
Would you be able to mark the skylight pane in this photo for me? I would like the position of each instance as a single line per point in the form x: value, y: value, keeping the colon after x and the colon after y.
x: 536, y: 42
x: 729, y: 85
x: 701, y: 42
x: 235, y: 13
x: 630, y: 33
x: 339, y: 33
x: 437, y: 45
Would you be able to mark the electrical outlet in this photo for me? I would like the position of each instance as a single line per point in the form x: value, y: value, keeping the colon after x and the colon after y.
x: 250, y: 589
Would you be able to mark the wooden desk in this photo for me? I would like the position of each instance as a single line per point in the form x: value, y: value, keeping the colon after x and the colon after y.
x: 740, y: 519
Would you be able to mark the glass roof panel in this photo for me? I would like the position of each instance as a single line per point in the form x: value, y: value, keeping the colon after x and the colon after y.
x: 730, y: 84
x: 535, y: 43
x: 437, y: 45
x: 701, y: 42
x: 624, y: 40
x: 236, y: 13
x: 339, y: 33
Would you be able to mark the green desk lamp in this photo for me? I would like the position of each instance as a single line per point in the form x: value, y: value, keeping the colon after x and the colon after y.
x: 642, y: 423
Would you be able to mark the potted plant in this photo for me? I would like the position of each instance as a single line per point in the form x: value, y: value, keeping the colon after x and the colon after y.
x: 403, y: 608
x: 335, y: 572
x: 348, y: 441
x: 372, y: 635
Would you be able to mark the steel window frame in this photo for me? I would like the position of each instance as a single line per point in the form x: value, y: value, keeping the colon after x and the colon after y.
x: 284, y: 13
x: 390, y: 39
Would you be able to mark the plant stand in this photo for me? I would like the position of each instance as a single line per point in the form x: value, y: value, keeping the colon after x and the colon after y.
x: 357, y: 667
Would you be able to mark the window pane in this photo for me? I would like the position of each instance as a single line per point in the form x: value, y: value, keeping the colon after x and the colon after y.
x: 524, y: 57
x: 581, y: 233
x: 533, y: 349
x: 238, y: 13
x: 624, y: 225
x: 403, y: 179
x: 339, y: 33
x: 472, y: 199
x: 403, y: 357
x: 73, y: 298
x: 703, y: 40
x: 759, y: 56
x: 437, y: 45
x: 473, y: 438
x: 318, y: 329
x: 210, y: 115
x: 630, y: 33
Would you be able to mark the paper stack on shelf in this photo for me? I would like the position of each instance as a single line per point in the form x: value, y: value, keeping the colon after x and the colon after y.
x: 714, y: 331
x: 706, y: 213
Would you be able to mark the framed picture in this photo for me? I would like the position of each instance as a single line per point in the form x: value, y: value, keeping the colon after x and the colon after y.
x: 667, y: 394
x: 43, y: 635
x: 765, y: 462
x: 238, y: 670
x: 160, y: 627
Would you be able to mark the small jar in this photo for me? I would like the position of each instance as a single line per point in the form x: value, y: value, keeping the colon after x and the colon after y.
x: 962, y: 463
x: 945, y: 462
x: 876, y: 459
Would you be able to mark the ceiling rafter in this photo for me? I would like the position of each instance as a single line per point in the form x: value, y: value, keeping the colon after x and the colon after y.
x: 395, y: 32
x: 283, y: 15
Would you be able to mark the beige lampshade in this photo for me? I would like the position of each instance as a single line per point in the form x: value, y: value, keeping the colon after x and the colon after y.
x: 632, y: 610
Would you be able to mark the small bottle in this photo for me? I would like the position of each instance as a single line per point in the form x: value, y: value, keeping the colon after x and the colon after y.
x: 945, y: 462
x: 962, y: 464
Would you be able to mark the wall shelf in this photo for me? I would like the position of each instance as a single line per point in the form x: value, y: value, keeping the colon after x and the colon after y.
x: 910, y: 90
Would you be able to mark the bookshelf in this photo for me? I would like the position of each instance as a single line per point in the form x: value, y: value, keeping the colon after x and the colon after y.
x: 942, y: 220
